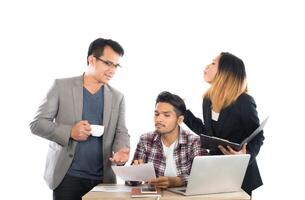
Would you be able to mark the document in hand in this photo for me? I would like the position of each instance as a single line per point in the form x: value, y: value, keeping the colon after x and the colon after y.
x: 143, y: 172
x: 212, y: 143
x: 139, y: 192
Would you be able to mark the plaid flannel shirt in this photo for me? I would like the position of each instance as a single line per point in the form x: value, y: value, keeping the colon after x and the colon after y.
x: 150, y: 149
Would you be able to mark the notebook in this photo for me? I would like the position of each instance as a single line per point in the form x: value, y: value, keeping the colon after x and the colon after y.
x: 212, y: 143
x: 215, y: 174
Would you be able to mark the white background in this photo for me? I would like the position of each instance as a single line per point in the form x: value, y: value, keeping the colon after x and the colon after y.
x: 167, y: 44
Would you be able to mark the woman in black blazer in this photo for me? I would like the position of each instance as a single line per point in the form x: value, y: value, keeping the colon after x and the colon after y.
x: 229, y: 113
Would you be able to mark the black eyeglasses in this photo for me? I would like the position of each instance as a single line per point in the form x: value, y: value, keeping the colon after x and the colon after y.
x: 108, y: 63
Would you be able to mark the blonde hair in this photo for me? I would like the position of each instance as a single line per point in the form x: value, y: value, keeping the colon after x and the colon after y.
x: 229, y: 82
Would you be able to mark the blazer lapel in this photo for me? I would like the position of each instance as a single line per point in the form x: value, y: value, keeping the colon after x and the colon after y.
x: 207, y: 116
x: 107, y: 105
x: 78, y: 98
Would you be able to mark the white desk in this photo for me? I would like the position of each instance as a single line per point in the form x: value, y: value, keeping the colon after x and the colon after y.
x: 166, y: 195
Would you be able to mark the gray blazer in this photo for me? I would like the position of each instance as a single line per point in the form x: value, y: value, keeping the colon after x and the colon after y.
x: 60, y: 110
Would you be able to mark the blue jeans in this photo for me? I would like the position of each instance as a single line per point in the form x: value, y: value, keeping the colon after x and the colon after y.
x: 73, y: 188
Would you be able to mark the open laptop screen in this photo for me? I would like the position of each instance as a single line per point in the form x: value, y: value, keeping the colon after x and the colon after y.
x: 215, y: 174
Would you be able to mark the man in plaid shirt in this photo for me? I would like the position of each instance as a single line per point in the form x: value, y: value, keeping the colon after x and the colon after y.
x: 170, y: 148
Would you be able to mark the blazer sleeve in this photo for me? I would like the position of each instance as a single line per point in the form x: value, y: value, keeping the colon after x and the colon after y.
x: 122, y: 138
x: 194, y: 123
x: 44, y: 125
x: 251, y: 122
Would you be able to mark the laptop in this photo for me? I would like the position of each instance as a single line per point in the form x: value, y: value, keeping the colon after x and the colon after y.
x: 215, y: 174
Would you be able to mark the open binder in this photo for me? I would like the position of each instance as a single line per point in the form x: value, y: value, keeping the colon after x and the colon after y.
x: 212, y: 143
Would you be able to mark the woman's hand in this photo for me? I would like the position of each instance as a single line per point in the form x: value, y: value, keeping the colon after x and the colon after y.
x: 230, y: 151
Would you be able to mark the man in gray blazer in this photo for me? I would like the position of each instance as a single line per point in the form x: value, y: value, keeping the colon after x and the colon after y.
x: 77, y: 161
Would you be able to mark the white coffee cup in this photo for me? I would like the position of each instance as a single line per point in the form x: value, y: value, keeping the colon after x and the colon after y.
x: 97, y: 130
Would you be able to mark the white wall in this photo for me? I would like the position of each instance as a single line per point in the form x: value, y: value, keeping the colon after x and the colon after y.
x: 167, y: 45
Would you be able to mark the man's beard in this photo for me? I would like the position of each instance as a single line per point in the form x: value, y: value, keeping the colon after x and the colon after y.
x: 165, y: 132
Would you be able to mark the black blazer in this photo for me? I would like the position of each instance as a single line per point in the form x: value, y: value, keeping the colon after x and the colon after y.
x: 235, y: 123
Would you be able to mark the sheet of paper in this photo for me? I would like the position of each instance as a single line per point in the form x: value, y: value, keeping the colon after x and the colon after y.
x: 143, y: 172
x: 111, y: 188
